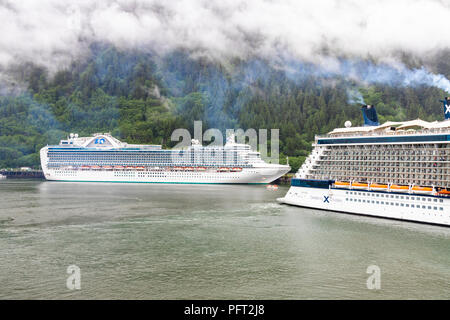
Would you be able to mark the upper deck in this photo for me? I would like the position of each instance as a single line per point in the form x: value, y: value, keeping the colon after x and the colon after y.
x: 416, y: 131
x: 103, y: 149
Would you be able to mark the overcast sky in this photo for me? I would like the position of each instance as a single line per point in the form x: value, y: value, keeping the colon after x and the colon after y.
x: 54, y: 31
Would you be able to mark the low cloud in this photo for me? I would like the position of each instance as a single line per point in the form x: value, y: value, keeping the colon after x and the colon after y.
x: 54, y: 32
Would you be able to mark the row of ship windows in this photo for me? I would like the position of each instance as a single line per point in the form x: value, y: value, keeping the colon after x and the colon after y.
x: 75, y: 159
x: 169, y: 160
x: 367, y: 155
x: 184, y: 173
x: 403, y: 175
x: 392, y: 196
x: 149, y: 152
x: 387, y: 162
x: 395, y: 153
x: 121, y: 174
x: 407, y: 205
x: 374, y: 154
x: 140, y: 156
x: 151, y: 155
x: 412, y: 166
x: 131, y: 173
x: 155, y: 163
x: 381, y: 170
x: 403, y: 149
x: 395, y: 180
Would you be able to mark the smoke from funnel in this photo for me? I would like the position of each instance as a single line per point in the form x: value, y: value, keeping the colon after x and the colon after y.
x: 354, y: 96
x: 394, y: 74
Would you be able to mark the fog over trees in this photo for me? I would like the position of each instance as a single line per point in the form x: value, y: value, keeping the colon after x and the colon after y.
x: 141, y: 97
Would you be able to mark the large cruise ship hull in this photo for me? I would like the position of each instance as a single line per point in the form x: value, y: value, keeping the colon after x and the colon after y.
x: 92, y: 171
x: 407, y: 207
x: 250, y: 176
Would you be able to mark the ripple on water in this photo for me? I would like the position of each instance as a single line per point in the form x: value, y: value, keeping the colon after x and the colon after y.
x: 217, y: 242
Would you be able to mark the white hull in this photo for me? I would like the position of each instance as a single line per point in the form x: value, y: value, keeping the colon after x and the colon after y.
x: 251, y: 176
x: 408, y: 207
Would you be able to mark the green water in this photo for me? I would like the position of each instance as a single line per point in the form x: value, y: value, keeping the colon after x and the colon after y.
x: 144, y: 241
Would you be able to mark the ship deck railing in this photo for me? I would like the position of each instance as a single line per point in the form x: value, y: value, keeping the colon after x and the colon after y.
x: 385, y: 133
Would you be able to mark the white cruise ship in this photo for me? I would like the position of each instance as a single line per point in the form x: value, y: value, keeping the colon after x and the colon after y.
x: 397, y: 170
x: 103, y: 158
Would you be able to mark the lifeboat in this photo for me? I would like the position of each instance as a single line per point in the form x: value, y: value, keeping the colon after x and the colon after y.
x: 398, y: 188
x: 129, y: 167
x: 359, y: 185
x: 95, y: 167
x: 238, y: 170
x: 341, y: 184
x: 422, y: 190
x: 272, y: 187
x: 85, y: 167
x: 444, y: 192
x: 378, y: 187
x: 140, y: 168
x: 189, y: 168
x: 201, y: 169
x: 118, y: 167
x: 107, y: 167
x: 223, y: 169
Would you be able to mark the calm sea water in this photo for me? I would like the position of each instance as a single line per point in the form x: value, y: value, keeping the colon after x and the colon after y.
x: 152, y: 241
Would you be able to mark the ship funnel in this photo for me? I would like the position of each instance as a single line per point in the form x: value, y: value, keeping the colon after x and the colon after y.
x: 370, y: 115
x: 446, y: 103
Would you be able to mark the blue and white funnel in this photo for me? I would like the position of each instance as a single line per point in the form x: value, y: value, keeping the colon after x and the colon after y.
x: 370, y: 116
x: 446, y: 103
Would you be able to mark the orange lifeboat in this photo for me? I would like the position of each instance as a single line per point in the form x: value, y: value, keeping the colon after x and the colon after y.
x: 398, y: 188
x: 378, y: 187
x: 422, y: 190
x: 359, y: 185
x: 236, y: 169
x: 444, y: 192
x: 223, y: 169
x: 201, y: 169
x: 118, y: 167
x: 341, y: 184
x: 140, y: 168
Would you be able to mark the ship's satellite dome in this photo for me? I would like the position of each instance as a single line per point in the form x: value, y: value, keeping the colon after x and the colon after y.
x: 348, y: 124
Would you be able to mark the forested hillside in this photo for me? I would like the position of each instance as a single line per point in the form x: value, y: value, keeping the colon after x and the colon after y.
x: 141, y: 98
